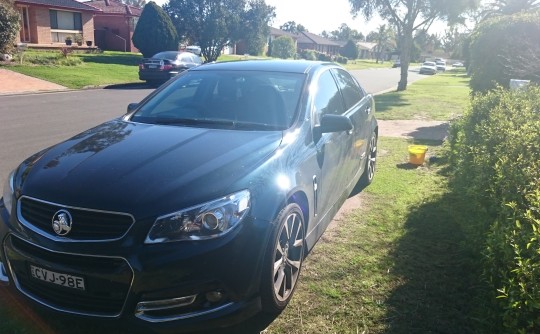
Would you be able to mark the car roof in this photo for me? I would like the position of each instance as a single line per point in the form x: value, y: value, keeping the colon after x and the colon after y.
x: 291, y: 66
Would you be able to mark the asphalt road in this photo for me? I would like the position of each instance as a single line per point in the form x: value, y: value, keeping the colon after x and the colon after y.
x: 32, y: 122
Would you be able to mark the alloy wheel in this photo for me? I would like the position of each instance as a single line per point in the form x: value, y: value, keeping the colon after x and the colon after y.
x: 288, y: 256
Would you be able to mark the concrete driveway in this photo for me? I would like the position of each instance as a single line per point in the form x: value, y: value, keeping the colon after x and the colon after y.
x: 15, y: 83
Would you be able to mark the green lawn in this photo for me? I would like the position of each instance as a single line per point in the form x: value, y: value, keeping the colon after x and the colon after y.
x: 80, y: 70
x: 93, y: 70
x: 441, y: 97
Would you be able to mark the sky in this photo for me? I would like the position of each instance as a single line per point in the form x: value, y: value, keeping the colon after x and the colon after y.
x: 319, y: 15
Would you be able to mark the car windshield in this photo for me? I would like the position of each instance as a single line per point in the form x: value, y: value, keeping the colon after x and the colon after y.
x: 248, y: 100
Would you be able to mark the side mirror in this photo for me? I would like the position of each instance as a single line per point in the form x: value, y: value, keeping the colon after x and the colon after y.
x: 131, y: 107
x: 335, y: 123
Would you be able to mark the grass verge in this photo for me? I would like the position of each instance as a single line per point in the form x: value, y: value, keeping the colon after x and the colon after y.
x: 93, y: 70
x: 399, y: 264
x: 441, y: 97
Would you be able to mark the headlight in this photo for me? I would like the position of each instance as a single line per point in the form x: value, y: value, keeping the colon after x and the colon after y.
x: 206, y: 221
x: 8, y: 192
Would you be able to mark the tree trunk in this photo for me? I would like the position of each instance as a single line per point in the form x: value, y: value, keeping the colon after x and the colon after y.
x: 405, y: 57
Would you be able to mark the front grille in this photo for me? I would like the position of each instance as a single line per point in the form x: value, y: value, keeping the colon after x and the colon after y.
x: 87, y: 224
x: 107, y: 280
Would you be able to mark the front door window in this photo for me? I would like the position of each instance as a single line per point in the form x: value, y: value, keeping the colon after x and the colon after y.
x: 25, y: 25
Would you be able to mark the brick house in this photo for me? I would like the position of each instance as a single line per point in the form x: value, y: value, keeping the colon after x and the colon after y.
x: 47, y: 23
x: 307, y: 41
x: 114, y: 25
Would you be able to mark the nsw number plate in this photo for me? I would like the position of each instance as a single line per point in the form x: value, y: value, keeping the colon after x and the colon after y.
x: 54, y: 277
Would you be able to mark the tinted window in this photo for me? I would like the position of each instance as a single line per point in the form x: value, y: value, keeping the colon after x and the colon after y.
x: 251, y: 99
x: 352, y: 93
x: 327, y: 99
x: 170, y: 55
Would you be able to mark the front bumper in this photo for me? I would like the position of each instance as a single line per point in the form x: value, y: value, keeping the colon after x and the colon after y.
x: 167, y: 287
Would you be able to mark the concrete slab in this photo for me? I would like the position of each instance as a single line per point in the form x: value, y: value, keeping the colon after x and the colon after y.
x: 16, y: 83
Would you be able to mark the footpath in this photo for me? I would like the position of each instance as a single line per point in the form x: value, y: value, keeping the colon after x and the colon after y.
x: 16, y: 83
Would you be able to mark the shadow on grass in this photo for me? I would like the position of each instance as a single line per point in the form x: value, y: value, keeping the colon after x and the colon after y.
x: 389, y: 101
x: 118, y: 59
x: 442, y: 290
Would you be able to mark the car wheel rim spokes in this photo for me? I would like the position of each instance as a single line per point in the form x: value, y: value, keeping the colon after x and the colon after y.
x: 288, y: 256
x: 372, y: 157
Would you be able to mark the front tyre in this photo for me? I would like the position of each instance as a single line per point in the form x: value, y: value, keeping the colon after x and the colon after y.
x: 369, y: 170
x: 283, y: 259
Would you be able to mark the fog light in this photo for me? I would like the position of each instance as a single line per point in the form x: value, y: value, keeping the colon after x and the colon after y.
x: 214, y: 296
x: 3, y: 274
x: 165, y: 304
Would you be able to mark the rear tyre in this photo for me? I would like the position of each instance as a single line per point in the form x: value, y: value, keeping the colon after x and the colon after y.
x: 369, y: 170
x: 283, y: 259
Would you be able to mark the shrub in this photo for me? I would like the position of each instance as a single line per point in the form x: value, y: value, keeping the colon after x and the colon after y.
x: 9, y: 26
x: 323, y: 56
x: 154, y: 32
x: 308, y: 55
x: 495, y: 151
x: 350, y: 50
x: 341, y: 60
x: 504, y: 48
x: 283, y: 47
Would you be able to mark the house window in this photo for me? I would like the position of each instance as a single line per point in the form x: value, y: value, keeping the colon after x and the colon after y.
x: 64, y: 24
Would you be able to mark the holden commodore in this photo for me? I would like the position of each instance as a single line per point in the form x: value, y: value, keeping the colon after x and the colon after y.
x: 196, y: 209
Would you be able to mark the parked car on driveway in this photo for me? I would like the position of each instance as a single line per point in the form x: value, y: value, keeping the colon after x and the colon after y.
x: 197, y: 208
x: 165, y: 65
x: 397, y: 63
x: 428, y: 67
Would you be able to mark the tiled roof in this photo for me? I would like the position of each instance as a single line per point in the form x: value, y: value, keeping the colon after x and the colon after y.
x: 305, y: 37
x: 279, y: 32
x: 68, y: 4
x: 115, y: 7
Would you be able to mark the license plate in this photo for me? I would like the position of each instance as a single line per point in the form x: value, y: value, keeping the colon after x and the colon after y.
x: 152, y: 66
x: 69, y: 281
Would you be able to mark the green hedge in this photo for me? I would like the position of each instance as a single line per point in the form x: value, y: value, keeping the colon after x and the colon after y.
x: 495, y: 153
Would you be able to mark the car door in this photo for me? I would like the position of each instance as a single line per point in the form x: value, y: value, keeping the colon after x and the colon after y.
x: 358, y: 110
x: 331, y: 148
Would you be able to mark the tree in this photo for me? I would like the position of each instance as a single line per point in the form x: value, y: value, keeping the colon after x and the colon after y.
x: 516, y: 39
x: 344, y: 33
x: 452, y: 42
x: 508, y: 7
x: 384, y: 39
x: 212, y: 24
x: 154, y: 32
x: 9, y: 26
x: 283, y: 47
x: 256, y: 29
x: 292, y: 27
x: 350, y: 50
x: 408, y: 16
x: 427, y: 42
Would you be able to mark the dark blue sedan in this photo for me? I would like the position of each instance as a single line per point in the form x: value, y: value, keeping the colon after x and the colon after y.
x: 196, y: 209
